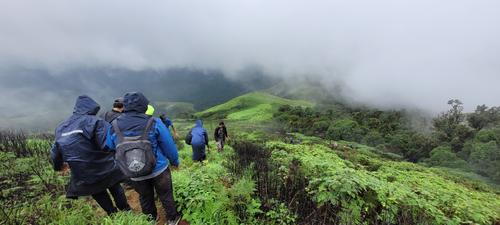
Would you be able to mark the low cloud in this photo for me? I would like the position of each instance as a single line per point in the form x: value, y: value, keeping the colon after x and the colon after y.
x: 417, y: 53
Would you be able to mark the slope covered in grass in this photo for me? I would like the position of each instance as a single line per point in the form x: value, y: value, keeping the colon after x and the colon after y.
x: 255, y: 106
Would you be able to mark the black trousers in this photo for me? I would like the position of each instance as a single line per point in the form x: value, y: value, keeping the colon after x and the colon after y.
x: 104, y: 200
x: 163, y: 186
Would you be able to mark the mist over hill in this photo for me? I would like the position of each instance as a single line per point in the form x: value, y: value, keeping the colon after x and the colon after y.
x: 385, y: 53
x: 39, y: 99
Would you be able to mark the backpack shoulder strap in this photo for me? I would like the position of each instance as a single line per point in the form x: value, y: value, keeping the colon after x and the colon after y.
x: 144, y: 135
x: 114, y: 116
x: 117, y: 130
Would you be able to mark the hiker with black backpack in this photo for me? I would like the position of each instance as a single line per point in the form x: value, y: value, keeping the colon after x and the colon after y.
x: 80, y: 141
x: 220, y: 135
x: 145, y: 151
x: 198, y: 139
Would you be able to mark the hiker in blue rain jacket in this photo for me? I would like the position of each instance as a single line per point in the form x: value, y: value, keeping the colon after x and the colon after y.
x: 132, y: 122
x: 199, y: 139
x: 80, y: 142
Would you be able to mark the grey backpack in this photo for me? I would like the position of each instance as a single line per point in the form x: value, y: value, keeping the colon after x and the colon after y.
x: 134, y: 155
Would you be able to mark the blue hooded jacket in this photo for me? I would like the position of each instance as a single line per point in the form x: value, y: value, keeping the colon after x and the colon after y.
x: 133, y: 121
x: 200, y: 136
x: 80, y: 141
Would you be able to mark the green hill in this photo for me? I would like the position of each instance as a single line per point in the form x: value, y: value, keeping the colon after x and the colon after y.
x: 255, y: 106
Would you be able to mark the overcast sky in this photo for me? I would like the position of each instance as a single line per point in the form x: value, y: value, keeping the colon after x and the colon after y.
x: 389, y: 53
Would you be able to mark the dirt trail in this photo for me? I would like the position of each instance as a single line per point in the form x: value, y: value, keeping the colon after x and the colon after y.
x: 133, y: 201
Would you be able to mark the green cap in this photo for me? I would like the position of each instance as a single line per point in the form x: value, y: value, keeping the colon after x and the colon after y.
x: 150, y: 110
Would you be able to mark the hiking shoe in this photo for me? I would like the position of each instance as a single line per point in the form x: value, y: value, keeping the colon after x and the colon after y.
x: 175, y: 221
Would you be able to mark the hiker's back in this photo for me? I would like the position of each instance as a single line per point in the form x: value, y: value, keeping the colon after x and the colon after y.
x: 80, y: 149
x: 220, y: 133
x: 198, y: 134
x: 132, y: 124
x: 134, y: 152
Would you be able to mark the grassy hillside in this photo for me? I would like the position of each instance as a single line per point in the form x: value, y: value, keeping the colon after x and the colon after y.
x: 255, y: 106
x: 264, y: 176
x: 269, y: 183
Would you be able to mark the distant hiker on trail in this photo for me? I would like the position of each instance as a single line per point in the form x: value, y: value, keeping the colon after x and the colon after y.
x: 198, y: 139
x: 80, y: 141
x: 220, y: 135
x: 115, y: 112
x: 169, y: 124
x: 135, y: 136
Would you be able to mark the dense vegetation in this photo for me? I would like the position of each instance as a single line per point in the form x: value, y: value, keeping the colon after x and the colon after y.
x: 320, y: 185
x: 468, y: 142
x: 294, y: 164
x: 33, y: 193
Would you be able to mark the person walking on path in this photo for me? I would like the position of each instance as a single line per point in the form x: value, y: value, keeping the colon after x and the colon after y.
x: 220, y: 136
x: 80, y: 141
x: 198, y: 139
x: 133, y: 122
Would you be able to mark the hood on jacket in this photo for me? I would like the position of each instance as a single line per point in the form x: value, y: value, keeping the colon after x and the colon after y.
x: 135, y: 102
x: 85, y: 105
x: 198, y: 123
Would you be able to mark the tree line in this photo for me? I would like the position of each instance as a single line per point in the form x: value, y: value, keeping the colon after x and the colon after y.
x: 468, y: 142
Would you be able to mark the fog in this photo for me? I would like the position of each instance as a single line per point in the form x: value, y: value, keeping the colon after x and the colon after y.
x: 417, y: 53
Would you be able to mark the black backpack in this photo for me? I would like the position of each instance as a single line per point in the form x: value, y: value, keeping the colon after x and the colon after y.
x: 220, y: 134
x: 189, y: 137
x: 134, y: 155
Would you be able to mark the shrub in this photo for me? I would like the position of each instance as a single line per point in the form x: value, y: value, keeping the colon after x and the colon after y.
x: 443, y: 156
x: 345, y: 129
x: 485, y: 159
x: 373, y: 138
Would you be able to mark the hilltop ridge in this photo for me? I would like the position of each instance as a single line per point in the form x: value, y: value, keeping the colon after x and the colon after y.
x: 253, y: 106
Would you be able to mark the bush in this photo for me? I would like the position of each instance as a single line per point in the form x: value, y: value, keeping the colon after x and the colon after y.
x: 345, y: 129
x: 373, y: 138
x: 485, y: 159
x: 486, y: 136
x: 443, y: 156
x: 320, y: 127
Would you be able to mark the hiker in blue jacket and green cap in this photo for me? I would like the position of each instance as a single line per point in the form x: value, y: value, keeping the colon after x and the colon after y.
x: 133, y: 122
